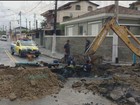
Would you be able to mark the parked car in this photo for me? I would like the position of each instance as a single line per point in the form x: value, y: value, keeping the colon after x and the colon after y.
x: 3, y: 38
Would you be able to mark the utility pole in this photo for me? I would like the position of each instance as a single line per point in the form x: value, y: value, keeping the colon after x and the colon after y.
x: 36, y: 24
x: 115, y: 37
x: 34, y: 21
x: 26, y: 24
x: 54, y: 33
x: 10, y: 31
x: 3, y: 28
x: 116, y: 9
x: 20, y: 22
x: 29, y: 25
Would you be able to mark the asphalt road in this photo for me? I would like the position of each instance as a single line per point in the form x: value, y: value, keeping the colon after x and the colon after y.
x: 9, y: 60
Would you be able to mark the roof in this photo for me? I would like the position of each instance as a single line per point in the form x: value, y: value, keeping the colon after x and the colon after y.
x: 19, y: 28
x: 109, y: 9
x: 47, y: 12
x: 135, y: 3
x: 67, y: 6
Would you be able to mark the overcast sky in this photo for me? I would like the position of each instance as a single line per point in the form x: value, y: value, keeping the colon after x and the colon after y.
x: 9, y: 10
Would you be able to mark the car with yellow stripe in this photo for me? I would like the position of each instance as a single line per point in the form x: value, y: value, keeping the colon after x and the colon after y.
x: 22, y: 47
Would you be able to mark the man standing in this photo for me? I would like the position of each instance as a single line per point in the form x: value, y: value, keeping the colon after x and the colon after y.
x: 67, y: 50
x: 87, y: 45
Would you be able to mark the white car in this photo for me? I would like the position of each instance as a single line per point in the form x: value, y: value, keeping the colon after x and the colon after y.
x: 3, y: 38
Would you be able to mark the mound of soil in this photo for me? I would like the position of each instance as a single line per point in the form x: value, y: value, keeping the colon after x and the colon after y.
x: 27, y: 84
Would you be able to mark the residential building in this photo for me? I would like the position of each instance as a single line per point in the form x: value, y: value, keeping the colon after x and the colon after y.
x: 92, y: 22
x: 68, y: 11
x: 17, y: 30
x: 89, y: 25
x: 135, y: 5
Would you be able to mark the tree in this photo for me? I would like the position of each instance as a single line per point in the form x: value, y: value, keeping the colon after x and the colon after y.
x: 43, y: 23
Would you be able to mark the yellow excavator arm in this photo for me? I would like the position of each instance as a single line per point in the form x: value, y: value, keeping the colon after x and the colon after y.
x: 122, y: 32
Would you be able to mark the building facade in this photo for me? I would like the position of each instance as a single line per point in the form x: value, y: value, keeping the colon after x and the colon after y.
x: 91, y: 23
x: 68, y: 11
x: 135, y: 5
x: 17, y: 30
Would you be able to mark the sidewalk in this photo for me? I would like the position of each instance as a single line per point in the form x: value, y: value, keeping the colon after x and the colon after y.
x: 49, y: 53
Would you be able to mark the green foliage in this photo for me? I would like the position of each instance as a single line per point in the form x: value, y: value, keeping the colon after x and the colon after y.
x: 24, y: 31
x: 62, y: 27
x: 43, y: 23
x: 2, y: 32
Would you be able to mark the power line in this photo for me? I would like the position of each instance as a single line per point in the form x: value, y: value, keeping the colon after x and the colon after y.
x: 34, y: 7
x: 7, y: 16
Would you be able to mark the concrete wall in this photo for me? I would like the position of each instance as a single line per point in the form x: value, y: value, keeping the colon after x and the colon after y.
x: 78, y: 43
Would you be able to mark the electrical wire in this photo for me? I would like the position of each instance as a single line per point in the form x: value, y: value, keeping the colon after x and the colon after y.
x: 5, y: 16
x: 34, y: 7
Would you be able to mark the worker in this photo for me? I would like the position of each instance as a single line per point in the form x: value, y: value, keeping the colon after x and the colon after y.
x: 87, y: 45
x: 69, y: 69
x: 71, y: 61
x: 67, y: 51
x: 86, y: 69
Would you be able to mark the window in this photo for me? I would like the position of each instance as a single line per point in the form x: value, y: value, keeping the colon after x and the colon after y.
x: 94, y: 29
x: 70, y: 31
x: 78, y: 7
x: 65, y: 18
x: 89, y: 8
x: 80, y: 30
x: 37, y: 35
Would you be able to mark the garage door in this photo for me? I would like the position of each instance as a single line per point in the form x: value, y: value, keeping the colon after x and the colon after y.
x: 70, y: 31
x: 94, y: 29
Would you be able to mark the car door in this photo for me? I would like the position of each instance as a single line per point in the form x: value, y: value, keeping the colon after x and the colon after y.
x: 17, y: 47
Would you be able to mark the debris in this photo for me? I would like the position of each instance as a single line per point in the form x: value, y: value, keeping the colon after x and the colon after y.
x: 116, y: 94
x: 120, y: 85
x: 131, y: 101
x: 12, y: 97
x: 33, y: 83
x: 77, y: 84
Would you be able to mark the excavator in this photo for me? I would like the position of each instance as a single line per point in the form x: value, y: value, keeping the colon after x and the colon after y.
x: 121, y: 31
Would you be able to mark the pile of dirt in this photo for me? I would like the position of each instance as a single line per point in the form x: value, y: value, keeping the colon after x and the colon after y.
x: 121, y: 86
x: 27, y: 84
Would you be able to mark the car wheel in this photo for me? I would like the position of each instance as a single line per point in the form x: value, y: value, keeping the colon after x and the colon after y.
x: 37, y: 56
x: 20, y: 53
x: 12, y: 51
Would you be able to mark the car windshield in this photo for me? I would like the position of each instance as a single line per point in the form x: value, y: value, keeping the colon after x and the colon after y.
x: 27, y: 43
x: 3, y: 36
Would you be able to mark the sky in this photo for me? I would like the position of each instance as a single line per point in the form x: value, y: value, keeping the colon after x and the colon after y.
x: 9, y: 11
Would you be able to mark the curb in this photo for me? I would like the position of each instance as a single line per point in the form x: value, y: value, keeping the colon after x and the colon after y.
x: 51, y: 56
